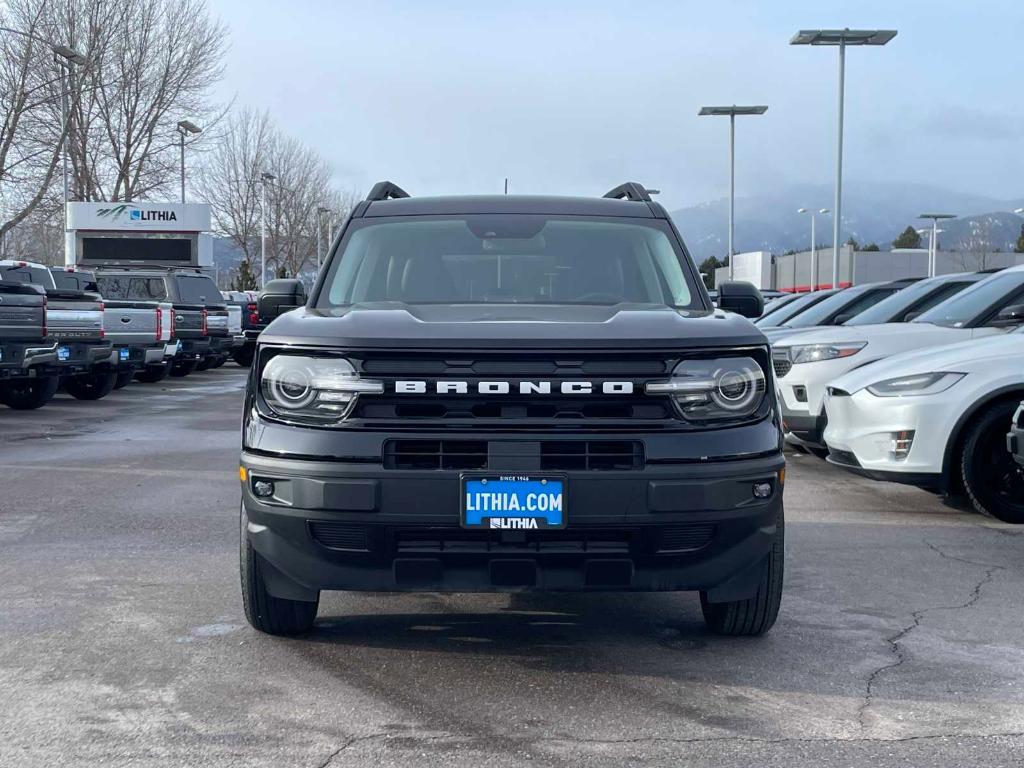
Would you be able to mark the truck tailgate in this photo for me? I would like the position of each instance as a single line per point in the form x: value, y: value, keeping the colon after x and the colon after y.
x: 74, y: 315
x: 130, y: 322
x: 22, y: 313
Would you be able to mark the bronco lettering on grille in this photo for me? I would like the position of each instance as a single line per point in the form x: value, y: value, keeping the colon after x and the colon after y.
x: 450, y: 387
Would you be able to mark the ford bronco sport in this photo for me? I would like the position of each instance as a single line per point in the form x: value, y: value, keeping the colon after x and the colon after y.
x: 512, y: 393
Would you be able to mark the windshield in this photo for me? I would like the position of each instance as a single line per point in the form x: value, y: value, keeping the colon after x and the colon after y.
x: 509, y: 258
x: 973, y: 305
x: 792, y: 309
x: 849, y: 302
x: 919, y: 297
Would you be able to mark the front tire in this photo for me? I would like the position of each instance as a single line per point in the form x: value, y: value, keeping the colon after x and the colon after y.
x: 755, y: 615
x: 266, y: 613
x: 29, y: 394
x: 991, y: 478
x: 90, y: 386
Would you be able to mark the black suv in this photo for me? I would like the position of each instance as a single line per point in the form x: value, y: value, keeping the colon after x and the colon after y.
x: 512, y: 393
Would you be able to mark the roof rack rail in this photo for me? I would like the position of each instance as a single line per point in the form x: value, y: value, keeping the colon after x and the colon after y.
x: 385, y: 190
x: 632, y: 191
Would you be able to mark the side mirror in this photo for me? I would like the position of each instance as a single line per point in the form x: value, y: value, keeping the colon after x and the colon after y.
x: 1009, y: 316
x: 280, y: 296
x: 741, y: 298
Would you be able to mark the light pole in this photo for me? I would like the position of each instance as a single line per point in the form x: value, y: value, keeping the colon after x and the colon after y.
x: 264, y: 178
x: 66, y: 58
x: 320, y: 211
x: 814, y: 246
x: 840, y: 38
x: 732, y: 112
x: 933, y: 252
x: 184, y: 128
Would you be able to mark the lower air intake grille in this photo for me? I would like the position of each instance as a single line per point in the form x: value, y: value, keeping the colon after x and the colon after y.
x: 591, y: 455
x: 782, y: 365
x: 435, y: 454
x: 686, y: 538
x: 344, y: 536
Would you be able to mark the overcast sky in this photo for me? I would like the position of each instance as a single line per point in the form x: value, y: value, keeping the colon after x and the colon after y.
x: 573, y: 97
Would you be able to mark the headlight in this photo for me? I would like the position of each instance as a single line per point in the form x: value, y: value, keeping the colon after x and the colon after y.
x: 812, y: 353
x: 706, y: 390
x: 920, y: 384
x: 314, y: 390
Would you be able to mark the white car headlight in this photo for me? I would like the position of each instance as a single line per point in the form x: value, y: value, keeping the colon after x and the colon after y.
x: 313, y: 390
x: 714, y: 390
x: 918, y: 384
x: 812, y: 353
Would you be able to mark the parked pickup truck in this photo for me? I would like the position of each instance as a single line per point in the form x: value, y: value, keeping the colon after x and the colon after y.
x: 139, y: 330
x: 200, y: 317
x: 251, y: 326
x: 74, y: 319
x: 28, y: 359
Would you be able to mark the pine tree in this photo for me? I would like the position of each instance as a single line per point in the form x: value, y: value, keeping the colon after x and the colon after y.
x: 909, y: 238
x: 245, y: 278
x: 871, y: 247
x: 1019, y: 246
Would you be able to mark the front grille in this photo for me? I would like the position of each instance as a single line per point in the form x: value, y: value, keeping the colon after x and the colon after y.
x: 435, y: 454
x: 567, y: 408
x: 342, y: 536
x: 550, y: 455
x: 460, y: 541
x: 781, y: 363
x: 685, y: 538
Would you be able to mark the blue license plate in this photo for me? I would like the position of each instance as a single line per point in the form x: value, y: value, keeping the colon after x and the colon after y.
x: 515, y: 502
x: 63, y: 354
x: 123, y: 353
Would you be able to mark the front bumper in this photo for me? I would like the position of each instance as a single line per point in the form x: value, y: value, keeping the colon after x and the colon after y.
x: 801, y: 393
x: 861, y: 430
x: 1015, y: 439
x: 358, y: 526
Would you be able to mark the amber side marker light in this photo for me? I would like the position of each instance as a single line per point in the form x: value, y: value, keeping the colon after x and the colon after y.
x: 242, y: 474
x: 782, y: 476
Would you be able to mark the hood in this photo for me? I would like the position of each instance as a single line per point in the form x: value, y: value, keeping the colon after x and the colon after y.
x: 395, y: 324
x: 886, y: 338
x: 782, y: 332
x: 963, y: 356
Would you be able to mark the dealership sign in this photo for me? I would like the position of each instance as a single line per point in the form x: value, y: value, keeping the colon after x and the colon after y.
x: 161, y: 217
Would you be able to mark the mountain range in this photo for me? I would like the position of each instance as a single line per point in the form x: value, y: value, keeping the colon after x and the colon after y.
x: 872, y: 213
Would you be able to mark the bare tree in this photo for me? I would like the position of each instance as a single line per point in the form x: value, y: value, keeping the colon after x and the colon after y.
x: 159, y: 63
x: 251, y: 145
x: 976, y: 246
x: 30, y: 87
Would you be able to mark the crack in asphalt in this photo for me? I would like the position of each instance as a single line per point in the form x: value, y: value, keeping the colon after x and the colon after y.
x: 916, y: 618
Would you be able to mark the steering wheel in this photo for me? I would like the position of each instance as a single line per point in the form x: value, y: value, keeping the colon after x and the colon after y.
x: 599, y: 298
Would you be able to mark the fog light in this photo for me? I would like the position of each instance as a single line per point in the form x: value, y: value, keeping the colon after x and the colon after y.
x: 900, y: 445
x: 762, y: 490
x: 263, y: 488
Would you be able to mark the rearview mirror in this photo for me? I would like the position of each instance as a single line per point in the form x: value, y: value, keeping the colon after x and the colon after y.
x: 280, y: 296
x: 742, y: 298
x: 842, y: 318
x: 1009, y: 316
x: 912, y: 316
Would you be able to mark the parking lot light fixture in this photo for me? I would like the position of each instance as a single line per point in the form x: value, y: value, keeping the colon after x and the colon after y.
x: 265, y: 178
x: 185, y: 128
x: 732, y: 112
x: 814, y: 247
x: 840, y: 38
x: 932, y: 250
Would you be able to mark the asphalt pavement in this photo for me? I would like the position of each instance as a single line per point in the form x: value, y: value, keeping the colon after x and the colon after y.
x: 122, y: 639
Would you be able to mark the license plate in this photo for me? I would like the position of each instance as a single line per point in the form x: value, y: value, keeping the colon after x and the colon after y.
x: 123, y: 353
x: 63, y: 353
x: 516, y: 502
